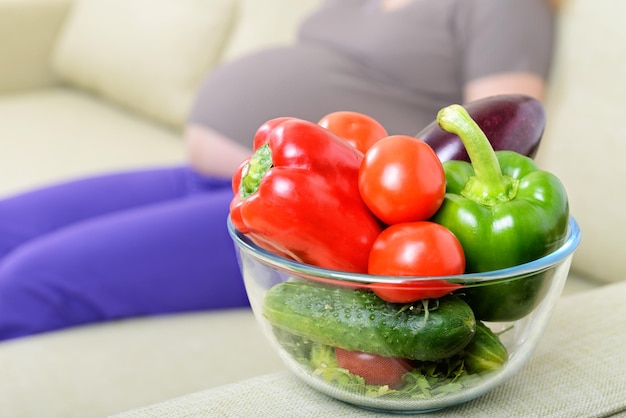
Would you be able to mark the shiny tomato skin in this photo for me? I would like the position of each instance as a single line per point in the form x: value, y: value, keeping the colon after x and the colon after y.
x: 360, y: 130
x: 374, y: 369
x: 409, y: 292
x: 401, y: 179
x: 424, y: 249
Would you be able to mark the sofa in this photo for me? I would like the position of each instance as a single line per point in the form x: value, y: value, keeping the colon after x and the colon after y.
x: 89, y: 86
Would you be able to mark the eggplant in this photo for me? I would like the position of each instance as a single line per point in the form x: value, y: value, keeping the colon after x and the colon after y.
x: 510, y: 121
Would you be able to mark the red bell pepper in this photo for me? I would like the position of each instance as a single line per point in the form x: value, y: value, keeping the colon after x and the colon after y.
x: 298, y: 196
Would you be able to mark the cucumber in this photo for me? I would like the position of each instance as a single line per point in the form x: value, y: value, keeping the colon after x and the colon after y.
x: 485, y: 352
x: 358, y: 320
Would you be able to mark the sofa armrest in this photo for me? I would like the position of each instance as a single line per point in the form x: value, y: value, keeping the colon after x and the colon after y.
x: 28, y: 31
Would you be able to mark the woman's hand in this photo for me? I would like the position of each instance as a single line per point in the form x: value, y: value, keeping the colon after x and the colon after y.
x: 211, y: 153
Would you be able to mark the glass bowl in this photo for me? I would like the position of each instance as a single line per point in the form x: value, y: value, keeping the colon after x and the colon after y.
x: 311, y: 315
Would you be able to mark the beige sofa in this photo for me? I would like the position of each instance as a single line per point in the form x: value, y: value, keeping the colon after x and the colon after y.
x: 97, y: 85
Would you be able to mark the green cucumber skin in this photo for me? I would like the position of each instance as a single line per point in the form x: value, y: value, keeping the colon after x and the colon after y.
x: 358, y: 320
x: 485, y: 352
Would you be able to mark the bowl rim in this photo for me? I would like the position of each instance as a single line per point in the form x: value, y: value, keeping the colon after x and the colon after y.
x: 307, y: 270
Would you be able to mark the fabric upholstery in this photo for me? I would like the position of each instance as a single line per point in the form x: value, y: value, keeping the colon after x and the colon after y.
x: 584, y: 139
x: 51, y: 135
x: 259, y: 24
x: 94, y: 371
x: 148, y: 55
x: 24, y: 54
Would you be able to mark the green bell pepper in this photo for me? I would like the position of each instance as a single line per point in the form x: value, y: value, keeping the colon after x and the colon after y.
x: 505, y: 212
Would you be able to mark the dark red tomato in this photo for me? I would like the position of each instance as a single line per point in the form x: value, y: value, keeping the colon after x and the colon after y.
x: 360, y: 130
x: 415, y: 249
x: 374, y: 369
x: 401, y: 179
x: 408, y: 292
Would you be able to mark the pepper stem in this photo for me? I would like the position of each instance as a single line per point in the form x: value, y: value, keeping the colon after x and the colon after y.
x: 255, y: 169
x: 488, y: 185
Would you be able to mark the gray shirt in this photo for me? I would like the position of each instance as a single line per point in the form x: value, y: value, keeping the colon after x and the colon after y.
x: 399, y: 67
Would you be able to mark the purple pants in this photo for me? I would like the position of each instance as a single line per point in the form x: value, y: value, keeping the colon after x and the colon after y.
x: 116, y: 246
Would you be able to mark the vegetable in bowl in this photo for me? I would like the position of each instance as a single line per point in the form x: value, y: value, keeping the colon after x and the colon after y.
x: 405, y: 310
x: 495, y: 352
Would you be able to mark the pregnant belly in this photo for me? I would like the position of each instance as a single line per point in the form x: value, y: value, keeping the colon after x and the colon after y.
x: 306, y: 82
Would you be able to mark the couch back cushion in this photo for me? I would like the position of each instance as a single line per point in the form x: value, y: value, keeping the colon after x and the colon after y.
x: 265, y: 23
x: 585, y: 138
x: 147, y: 55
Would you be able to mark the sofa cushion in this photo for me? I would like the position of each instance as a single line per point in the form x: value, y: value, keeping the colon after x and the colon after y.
x: 584, y: 139
x: 51, y: 135
x: 28, y: 30
x: 148, y: 55
x: 265, y: 23
x: 102, y: 369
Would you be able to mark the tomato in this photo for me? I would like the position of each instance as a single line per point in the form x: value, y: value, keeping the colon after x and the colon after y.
x: 415, y: 249
x: 360, y: 130
x: 374, y: 369
x: 408, y: 292
x: 401, y: 179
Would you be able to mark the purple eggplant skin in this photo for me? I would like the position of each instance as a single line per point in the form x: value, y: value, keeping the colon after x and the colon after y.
x: 510, y: 121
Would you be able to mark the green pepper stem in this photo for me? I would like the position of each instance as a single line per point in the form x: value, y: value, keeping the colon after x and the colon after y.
x: 488, y: 185
x: 255, y: 169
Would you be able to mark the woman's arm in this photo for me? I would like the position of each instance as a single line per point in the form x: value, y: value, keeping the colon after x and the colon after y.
x: 505, y: 83
x: 501, y: 54
x: 211, y: 153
